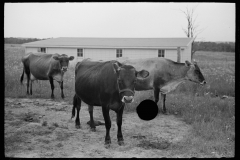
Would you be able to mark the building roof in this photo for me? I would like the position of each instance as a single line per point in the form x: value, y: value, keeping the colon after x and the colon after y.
x: 112, y: 42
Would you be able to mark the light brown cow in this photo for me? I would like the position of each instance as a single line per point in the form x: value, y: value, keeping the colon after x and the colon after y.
x: 42, y: 66
x: 165, y: 75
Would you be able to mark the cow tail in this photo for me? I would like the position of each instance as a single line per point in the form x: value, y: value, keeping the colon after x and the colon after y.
x: 22, y: 76
x: 74, y: 105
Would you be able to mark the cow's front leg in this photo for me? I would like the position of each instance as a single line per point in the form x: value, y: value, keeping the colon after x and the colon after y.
x: 52, y: 86
x: 163, y: 98
x: 61, y: 86
x: 107, y: 119
x: 119, y: 124
x: 92, y: 124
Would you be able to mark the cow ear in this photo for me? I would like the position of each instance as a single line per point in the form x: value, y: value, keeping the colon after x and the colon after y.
x: 56, y: 57
x: 116, y: 67
x: 71, y: 58
x: 194, y: 62
x: 142, y: 74
x: 187, y: 63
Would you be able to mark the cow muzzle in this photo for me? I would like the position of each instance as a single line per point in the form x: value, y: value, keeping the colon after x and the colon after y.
x: 127, y: 99
x: 64, y: 69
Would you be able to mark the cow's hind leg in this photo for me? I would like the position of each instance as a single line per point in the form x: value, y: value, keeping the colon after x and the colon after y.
x: 76, y: 104
x: 28, y: 79
x: 52, y: 87
x: 163, y: 98
x: 92, y: 124
x: 156, y: 95
x: 119, y: 124
x: 31, y: 82
x: 107, y: 119
x: 61, y: 86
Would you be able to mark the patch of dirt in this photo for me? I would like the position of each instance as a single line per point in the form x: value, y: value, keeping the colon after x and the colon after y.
x: 44, y: 128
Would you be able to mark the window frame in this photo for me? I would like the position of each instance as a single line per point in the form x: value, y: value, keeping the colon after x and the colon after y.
x: 80, y: 51
x: 42, y: 50
x: 118, y: 53
x: 161, y: 53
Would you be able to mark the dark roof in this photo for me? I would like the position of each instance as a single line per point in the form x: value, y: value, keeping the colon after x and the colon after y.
x: 111, y: 42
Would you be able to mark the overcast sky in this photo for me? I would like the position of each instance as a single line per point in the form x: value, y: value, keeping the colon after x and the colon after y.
x: 46, y: 20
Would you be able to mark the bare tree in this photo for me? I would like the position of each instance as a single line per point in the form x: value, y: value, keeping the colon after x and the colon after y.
x: 192, y: 28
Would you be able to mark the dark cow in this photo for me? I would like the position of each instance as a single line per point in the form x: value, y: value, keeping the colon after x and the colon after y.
x: 165, y: 75
x: 108, y: 84
x: 42, y: 66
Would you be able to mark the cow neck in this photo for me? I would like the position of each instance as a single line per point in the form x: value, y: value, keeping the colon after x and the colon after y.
x: 179, y: 71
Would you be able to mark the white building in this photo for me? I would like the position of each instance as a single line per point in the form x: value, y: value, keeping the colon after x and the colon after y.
x: 176, y: 49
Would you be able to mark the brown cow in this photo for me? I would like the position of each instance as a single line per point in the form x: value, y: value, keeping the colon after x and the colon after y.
x: 42, y: 66
x: 165, y: 75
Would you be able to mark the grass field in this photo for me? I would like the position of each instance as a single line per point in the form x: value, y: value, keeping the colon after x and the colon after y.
x: 212, y: 118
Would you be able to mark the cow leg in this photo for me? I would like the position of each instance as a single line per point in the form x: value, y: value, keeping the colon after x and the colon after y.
x: 92, y: 124
x: 119, y: 124
x: 76, y: 104
x: 31, y: 81
x: 105, y: 111
x: 28, y: 79
x: 52, y: 86
x: 163, y: 98
x: 61, y: 86
x: 156, y: 94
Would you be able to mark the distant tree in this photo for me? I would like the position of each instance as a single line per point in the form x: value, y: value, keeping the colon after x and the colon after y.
x: 192, y: 28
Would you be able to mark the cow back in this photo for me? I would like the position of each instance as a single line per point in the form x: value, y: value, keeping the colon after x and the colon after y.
x: 95, y: 82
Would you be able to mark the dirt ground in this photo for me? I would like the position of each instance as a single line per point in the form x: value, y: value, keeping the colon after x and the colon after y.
x: 44, y: 128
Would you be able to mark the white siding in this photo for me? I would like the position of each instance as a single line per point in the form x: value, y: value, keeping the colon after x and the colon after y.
x: 28, y: 49
x: 171, y: 54
x: 140, y: 53
x: 110, y: 53
x: 100, y: 54
x: 186, y: 54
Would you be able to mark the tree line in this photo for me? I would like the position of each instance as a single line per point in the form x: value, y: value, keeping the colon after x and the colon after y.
x: 214, y: 46
x: 12, y: 40
x: 197, y: 46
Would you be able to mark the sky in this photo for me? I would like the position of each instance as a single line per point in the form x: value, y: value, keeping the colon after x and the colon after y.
x: 214, y: 21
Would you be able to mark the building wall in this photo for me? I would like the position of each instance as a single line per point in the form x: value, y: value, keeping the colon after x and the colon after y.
x: 110, y: 53
x: 100, y: 54
x: 28, y: 49
x: 186, y: 54
x: 140, y: 53
x: 171, y: 54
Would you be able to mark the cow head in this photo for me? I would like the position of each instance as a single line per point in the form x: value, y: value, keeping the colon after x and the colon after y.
x: 127, y: 76
x: 194, y: 74
x: 63, y: 61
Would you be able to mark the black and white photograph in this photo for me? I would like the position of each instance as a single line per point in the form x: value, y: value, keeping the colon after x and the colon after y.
x: 119, y: 80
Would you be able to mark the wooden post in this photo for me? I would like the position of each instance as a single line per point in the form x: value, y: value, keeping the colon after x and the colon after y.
x: 178, y: 54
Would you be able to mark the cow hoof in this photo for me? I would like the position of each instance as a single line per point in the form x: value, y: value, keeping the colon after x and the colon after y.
x: 78, y: 126
x: 93, y: 129
x: 165, y: 113
x: 107, y: 143
x: 107, y: 146
x: 120, y: 143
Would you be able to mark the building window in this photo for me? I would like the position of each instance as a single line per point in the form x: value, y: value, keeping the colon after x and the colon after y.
x: 161, y: 53
x: 80, y: 52
x: 119, y: 53
x: 43, y: 50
